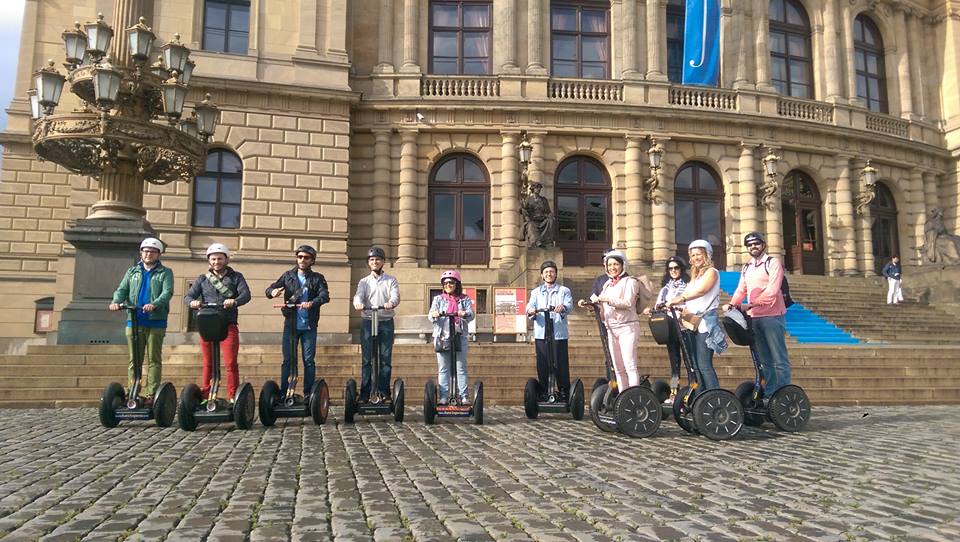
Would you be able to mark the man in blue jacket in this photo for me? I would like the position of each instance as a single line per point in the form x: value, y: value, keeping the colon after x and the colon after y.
x: 559, y: 299
x: 894, y: 273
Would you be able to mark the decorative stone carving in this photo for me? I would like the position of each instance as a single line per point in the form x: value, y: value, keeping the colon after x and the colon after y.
x: 940, y: 246
x: 768, y: 193
x: 538, y: 221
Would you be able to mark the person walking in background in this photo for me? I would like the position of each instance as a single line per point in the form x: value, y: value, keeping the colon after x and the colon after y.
x: 894, y: 273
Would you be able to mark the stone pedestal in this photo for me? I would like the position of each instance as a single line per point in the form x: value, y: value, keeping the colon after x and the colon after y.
x: 105, y: 250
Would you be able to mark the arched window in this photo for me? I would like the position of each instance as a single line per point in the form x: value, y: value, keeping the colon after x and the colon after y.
x: 676, y: 15
x: 802, y: 224
x: 791, y: 65
x: 698, y: 202
x: 868, y: 56
x: 886, y: 238
x: 580, y: 39
x: 459, y: 206
x: 460, y: 37
x: 583, y: 210
x: 217, y: 191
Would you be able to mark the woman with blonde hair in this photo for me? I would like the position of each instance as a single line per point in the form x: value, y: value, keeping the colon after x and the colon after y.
x: 701, y: 298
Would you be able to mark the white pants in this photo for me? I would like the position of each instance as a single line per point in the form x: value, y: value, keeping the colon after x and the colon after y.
x: 894, y: 293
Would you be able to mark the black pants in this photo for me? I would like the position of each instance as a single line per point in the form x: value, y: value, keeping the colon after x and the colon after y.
x: 543, y: 365
x: 673, y: 351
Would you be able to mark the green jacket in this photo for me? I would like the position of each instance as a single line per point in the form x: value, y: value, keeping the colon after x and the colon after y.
x: 161, y: 289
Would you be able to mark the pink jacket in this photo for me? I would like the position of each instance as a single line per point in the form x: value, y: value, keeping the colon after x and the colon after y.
x: 762, y: 282
x: 620, y: 302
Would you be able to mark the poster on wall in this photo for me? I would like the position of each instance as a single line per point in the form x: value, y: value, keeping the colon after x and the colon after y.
x: 509, y: 313
x: 472, y: 294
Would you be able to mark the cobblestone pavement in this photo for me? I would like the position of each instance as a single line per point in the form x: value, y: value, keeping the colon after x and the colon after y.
x: 855, y: 474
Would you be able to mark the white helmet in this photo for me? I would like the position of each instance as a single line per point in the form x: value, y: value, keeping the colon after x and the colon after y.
x: 616, y: 255
x: 700, y: 243
x: 218, y: 247
x: 152, y: 242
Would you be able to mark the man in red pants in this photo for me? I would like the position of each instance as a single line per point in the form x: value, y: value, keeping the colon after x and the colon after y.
x: 222, y: 285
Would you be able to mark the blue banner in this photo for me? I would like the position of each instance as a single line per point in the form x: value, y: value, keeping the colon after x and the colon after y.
x: 701, y: 43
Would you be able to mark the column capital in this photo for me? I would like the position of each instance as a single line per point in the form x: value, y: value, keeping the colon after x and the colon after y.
x: 505, y: 134
x: 406, y: 131
x: 749, y: 145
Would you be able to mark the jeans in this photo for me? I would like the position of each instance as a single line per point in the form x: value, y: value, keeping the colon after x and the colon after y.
x: 543, y: 366
x: 151, y: 341
x: 703, y: 363
x: 307, y: 339
x: 771, y: 332
x: 385, y: 337
x: 228, y: 355
x: 443, y: 364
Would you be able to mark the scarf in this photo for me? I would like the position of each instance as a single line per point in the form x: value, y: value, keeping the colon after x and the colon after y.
x: 453, y: 306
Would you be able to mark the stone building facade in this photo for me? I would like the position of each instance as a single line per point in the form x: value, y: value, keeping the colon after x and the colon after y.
x: 396, y: 123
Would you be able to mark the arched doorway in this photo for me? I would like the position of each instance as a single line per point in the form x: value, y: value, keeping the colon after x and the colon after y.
x: 698, y: 202
x: 886, y: 239
x: 583, y: 210
x: 802, y: 224
x: 459, y: 206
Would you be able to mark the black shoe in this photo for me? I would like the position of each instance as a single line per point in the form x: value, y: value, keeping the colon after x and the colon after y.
x: 364, y: 400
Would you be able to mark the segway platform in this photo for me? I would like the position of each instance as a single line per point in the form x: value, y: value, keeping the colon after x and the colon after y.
x: 377, y: 405
x: 553, y: 402
x: 431, y: 407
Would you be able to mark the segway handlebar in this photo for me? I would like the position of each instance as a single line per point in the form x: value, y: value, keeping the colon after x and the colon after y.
x: 129, y: 307
x: 287, y: 305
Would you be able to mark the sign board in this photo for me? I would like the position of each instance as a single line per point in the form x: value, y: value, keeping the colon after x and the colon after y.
x: 509, y: 312
x: 472, y: 294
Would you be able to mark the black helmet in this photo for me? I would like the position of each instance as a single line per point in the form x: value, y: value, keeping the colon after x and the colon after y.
x: 308, y: 249
x: 376, y: 252
x: 548, y: 263
x: 753, y: 236
x: 677, y: 260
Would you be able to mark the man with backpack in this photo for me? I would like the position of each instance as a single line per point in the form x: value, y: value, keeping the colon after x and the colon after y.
x: 762, y: 287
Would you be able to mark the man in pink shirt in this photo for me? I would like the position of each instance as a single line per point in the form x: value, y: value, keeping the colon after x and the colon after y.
x: 759, y: 294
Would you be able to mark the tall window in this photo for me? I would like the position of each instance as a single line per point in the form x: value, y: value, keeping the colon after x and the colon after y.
x: 676, y: 16
x: 886, y: 239
x: 460, y: 37
x: 226, y: 26
x: 698, y: 208
x: 459, y: 206
x: 583, y: 210
x: 791, y: 65
x: 216, y: 193
x: 868, y: 54
x: 580, y: 39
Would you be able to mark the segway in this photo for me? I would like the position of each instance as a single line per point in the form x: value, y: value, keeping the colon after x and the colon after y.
x: 454, y: 408
x: 291, y: 405
x: 117, y: 405
x: 634, y: 411
x: 788, y: 408
x: 553, y: 400
x: 716, y: 414
x: 212, y: 325
x: 378, y: 404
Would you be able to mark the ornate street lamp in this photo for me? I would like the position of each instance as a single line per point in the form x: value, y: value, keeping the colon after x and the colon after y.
x: 207, y: 115
x: 175, y: 55
x: 655, y: 161
x: 525, y: 150
x: 75, y: 45
x: 868, y: 190
x: 174, y: 94
x: 49, y: 84
x: 768, y: 190
x: 99, y: 35
x: 106, y: 85
x: 140, y: 38
x: 187, y: 72
x: 158, y: 69
x: 189, y: 126
x: 34, y: 104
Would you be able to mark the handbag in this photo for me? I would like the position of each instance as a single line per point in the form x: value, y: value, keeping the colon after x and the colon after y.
x: 690, y: 320
x: 442, y: 344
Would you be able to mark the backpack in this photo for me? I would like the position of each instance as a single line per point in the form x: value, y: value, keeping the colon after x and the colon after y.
x: 784, y: 285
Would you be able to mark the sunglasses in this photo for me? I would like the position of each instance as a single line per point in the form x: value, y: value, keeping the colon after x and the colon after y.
x: 673, y: 268
x: 449, y: 283
x: 754, y: 244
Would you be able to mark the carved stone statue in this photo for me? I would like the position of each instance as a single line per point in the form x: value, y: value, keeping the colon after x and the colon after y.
x: 940, y: 246
x: 768, y: 193
x: 538, y: 221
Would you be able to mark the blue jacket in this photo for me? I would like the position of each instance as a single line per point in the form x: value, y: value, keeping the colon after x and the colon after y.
x: 540, y: 299
x: 441, y: 328
x: 892, y: 271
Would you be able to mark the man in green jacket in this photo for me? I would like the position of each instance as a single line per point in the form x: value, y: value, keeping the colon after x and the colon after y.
x: 149, y: 286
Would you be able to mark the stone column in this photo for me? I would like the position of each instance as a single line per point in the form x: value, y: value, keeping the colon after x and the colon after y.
x: 930, y: 192
x: 385, y: 38
x: 660, y: 215
x: 307, y: 40
x: 381, y: 188
x: 655, y: 42
x: 747, y: 192
x: 903, y: 64
x: 845, y: 216
x: 411, y: 36
x: 848, y: 54
x: 535, y: 169
x: 633, y: 193
x: 761, y: 20
x: 509, y: 200
x: 629, y: 40
x: 831, y: 46
x: 535, y: 19
x: 916, y: 66
x: 865, y: 248
x: 407, y: 232
x: 335, y: 30
x: 917, y: 209
x: 505, y: 36
x: 741, y: 80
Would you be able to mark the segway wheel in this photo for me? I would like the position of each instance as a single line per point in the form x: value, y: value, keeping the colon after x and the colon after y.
x: 268, y: 398
x: 597, y: 383
x: 398, y: 396
x: 189, y: 400
x: 681, y: 412
x: 245, y: 407
x: 429, y: 403
x: 478, y: 403
x: 165, y: 405
x: 662, y: 390
x: 576, y: 400
x: 350, y: 401
x: 789, y: 408
x: 530, y: 407
x: 745, y: 394
x: 718, y: 414
x: 320, y: 402
x: 597, y: 407
x: 113, y: 396
x: 637, y: 412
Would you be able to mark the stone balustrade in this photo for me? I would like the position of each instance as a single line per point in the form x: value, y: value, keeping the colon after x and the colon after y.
x: 439, y: 86
x: 587, y: 90
x: 805, y: 110
x: 703, y: 98
x: 887, y: 125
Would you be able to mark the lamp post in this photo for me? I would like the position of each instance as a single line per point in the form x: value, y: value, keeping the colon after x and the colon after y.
x: 868, y: 188
x: 125, y: 132
x: 525, y: 150
x: 655, y: 160
x: 768, y: 190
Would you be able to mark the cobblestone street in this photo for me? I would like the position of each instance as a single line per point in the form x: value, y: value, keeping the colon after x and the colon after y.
x: 865, y: 473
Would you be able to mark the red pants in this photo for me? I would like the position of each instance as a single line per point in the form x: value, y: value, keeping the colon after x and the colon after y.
x: 228, y: 355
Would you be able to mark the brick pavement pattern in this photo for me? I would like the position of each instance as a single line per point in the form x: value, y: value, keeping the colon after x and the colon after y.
x: 866, y: 473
